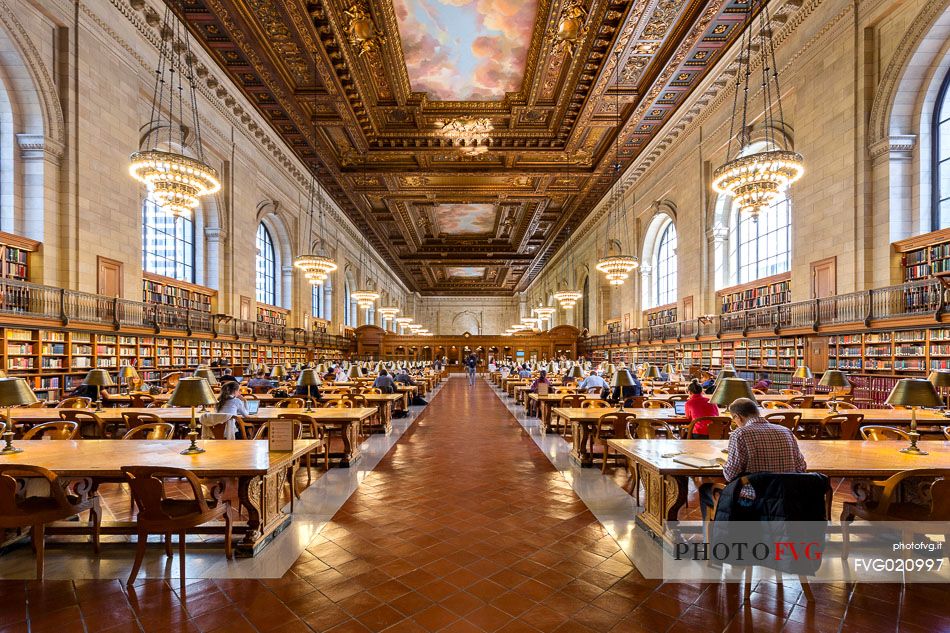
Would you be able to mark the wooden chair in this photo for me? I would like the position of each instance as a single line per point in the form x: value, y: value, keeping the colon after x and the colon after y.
x: 170, y: 381
x: 262, y: 389
x: 758, y: 392
x: 246, y: 429
x: 888, y: 504
x: 595, y: 390
x: 572, y: 401
x: 133, y: 419
x: 290, y: 403
x: 802, y: 402
x: 946, y: 432
x: 141, y: 401
x: 718, y: 429
x: 645, y: 430
x: 791, y: 392
x: 75, y: 402
x: 151, y: 431
x: 565, y: 390
x: 263, y: 429
x: 344, y: 403
x: 312, y: 430
x: 373, y: 390
x: 18, y: 510
x: 677, y: 397
x: 776, y: 404
x: 91, y: 426
x: 595, y: 403
x: 65, y: 430
x: 263, y: 433
x: 789, y: 419
x: 843, y: 406
x: 657, y: 404
x: 842, y: 426
x: 160, y: 515
x: 610, y: 426
x: 881, y: 433
x: 244, y: 390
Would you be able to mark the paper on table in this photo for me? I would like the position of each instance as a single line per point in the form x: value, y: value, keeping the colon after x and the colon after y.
x: 281, y: 435
x: 697, y: 462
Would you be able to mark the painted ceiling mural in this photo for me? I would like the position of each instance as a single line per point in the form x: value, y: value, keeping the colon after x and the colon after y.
x: 471, y: 50
x: 465, y: 219
x: 529, y: 83
x: 465, y: 272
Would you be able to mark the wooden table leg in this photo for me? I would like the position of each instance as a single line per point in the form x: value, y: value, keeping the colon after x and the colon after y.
x: 351, y: 444
x: 262, y: 498
x: 580, y: 452
x: 663, y: 496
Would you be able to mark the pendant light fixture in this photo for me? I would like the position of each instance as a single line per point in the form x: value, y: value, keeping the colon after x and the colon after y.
x: 757, y: 181
x: 615, y: 264
x: 175, y: 182
x: 366, y: 297
x: 568, y: 298
x: 403, y: 323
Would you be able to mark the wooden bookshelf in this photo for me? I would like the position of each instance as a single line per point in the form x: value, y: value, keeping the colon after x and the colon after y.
x: 178, y: 294
x: 925, y: 256
x: 660, y: 315
x: 15, y: 254
x: 761, y: 293
x: 272, y: 315
x: 612, y: 326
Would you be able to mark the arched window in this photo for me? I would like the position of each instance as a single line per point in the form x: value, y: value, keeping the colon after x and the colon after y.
x: 665, y: 267
x: 168, y: 243
x: 351, y: 312
x: 266, y: 267
x: 317, y: 302
x: 941, y: 158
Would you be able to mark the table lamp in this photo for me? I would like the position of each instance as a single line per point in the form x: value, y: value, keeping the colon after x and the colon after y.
x: 251, y: 369
x: 126, y: 374
x: 833, y: 378
x: 13, y: 392
x: 574, y: 372
x: 651, y: 372
x: 308, y: 378
x: 731, y: 389
x: 208, y: 375
x: 913, y: 393
x: 804, y: 374
x: 192, y: 392
x: 724, y: 373
x: 278, y: 372
x: 940, y: 380
x: 98, y: 378
x: 668, y: 369
x: 622, y: 378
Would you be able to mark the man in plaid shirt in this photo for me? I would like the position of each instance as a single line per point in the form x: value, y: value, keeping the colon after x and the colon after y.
x: 756, y: 446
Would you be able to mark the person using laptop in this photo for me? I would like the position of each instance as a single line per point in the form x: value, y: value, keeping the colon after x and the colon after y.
x: 229, y: 401
x: 699, y: 406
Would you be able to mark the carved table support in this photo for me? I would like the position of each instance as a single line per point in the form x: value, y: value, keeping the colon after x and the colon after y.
x: 261, y: 496
x: 582, y: 443
x: 663, y: 497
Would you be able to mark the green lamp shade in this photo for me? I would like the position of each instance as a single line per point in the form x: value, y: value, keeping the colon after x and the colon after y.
x: 834, y: 378
x: 668, y: 369
x: 192, y: 392
x: 278, y: 372
x: 98, y: 378
x: 622, y: 378
x: 651, y: 372
x: 127, y: 371
x: 208, y: 375
x: 803, y: 373
x: 914, y: 392
x: 726, y: 372
x: 574, y: 372
x: 309, y: 378
x: 731, y: 389
x: 939, y: 378
x: 15, y: 392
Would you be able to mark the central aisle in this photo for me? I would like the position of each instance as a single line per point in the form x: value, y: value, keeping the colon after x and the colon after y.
x: 467, y: 519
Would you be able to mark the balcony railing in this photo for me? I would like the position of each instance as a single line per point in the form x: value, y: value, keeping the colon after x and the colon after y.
x: 24, y: 299
x: 914, y: 299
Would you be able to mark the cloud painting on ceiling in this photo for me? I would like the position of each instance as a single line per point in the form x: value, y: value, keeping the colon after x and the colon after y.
x: 465, y: 272
x: 466, y: 50
x: 465, y: 219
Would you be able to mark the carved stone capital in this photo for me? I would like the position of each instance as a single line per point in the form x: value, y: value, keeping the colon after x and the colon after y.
x: 895, y: 147
x: 35, y: 147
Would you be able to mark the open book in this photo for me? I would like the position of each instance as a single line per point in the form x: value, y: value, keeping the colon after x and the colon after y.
x: 697, y: 462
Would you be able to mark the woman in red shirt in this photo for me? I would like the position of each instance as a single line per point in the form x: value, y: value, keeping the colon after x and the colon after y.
x: 699, y: 406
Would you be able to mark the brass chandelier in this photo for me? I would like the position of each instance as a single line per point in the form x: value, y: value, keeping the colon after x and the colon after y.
x: 759, y: 180
x: 615, y: 264
x: 174, y: 181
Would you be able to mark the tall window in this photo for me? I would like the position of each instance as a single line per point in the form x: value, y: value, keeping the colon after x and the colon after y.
x: 317, y: 302
x: 168, y: 243
x: 266, y: 267
x: 941, y: 162
x: 585, y: 321
x: 665, y: 266
x: 350, y: 310
x: 763, y: 244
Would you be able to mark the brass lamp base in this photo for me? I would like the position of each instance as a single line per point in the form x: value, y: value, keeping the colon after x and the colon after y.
x: 194, y: 449
x: 9, y: 448
x: 912, y: 449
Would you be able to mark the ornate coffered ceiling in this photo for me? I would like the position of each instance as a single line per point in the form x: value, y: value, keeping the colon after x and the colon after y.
x: 465, y: 197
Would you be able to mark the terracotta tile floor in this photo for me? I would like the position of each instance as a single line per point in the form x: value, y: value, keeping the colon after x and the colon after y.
x: 464, y: 526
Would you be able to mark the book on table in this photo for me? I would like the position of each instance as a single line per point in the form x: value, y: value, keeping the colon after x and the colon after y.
x: 697, y: 461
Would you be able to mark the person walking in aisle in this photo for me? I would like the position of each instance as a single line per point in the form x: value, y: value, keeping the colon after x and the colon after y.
x: 470, y: 364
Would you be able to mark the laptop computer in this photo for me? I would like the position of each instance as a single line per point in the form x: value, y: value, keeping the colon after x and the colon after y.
x: 680, y: 407
x: 253, y: 406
